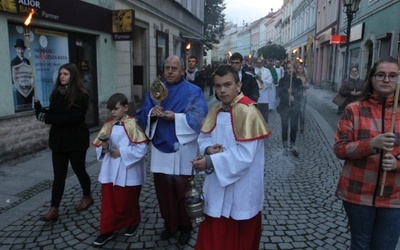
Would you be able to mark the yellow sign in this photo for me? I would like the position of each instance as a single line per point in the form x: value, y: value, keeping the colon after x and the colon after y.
x: 122, y: 24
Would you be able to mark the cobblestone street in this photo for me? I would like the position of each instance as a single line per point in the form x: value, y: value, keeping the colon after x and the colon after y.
x: 300, y: 212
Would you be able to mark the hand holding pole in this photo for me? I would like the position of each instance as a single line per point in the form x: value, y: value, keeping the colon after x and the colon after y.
x: 392, y: 124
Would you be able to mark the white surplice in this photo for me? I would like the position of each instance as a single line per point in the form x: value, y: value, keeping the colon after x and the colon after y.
x: 236, y: 187
x: 268, y: 92
x: 127, y: 170
x: 179, y: 162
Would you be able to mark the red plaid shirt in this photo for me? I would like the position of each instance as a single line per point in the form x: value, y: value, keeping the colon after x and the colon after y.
x: 361, y: 176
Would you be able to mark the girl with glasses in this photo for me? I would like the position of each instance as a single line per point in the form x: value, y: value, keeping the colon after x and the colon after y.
x: 370, y: 149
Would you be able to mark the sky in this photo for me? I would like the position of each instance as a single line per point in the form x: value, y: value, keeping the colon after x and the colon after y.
x: 249, y: 10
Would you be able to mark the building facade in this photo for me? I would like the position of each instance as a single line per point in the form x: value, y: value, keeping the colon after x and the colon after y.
x: 305, y: 28
x: 302, y: 32
x: 325, y: 58
x: 232, y: 42
x: 286, y: 25
x: 91, y: 33
x: 375, y: 34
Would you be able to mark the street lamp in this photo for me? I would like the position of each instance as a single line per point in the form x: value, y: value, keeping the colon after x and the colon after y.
x: 350, y: 8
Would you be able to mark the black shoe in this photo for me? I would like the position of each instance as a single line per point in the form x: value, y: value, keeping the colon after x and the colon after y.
x: 294, y: 152
x: 103, y: 238
x: 184, y: 238
x: 131, y: 230
x: 165, y: 235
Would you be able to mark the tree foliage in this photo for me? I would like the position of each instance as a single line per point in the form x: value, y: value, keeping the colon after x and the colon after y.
x: 272, y: 51
x: 213, y: 22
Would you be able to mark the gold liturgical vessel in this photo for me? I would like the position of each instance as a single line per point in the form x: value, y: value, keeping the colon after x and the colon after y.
x: 194, y: 201
x: 158, y: 91
x: 104, y: 138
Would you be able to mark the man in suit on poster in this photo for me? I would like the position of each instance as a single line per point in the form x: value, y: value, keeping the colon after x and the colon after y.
x: 24, y: 89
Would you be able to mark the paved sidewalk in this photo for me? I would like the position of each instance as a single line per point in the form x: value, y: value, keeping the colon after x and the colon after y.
x: 300, y: 212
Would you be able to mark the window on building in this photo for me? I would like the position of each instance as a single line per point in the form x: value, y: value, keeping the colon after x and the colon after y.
x: 385, y: 45
x: 162, y: 51
x: 354, y: 54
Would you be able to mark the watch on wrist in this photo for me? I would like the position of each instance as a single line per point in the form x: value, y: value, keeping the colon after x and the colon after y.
x: 209, y: 165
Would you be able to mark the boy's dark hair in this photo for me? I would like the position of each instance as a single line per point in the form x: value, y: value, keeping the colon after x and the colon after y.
x: 192, y: 57
x: 226, y: 69
x: 115, y: 99
x: 236, y: 56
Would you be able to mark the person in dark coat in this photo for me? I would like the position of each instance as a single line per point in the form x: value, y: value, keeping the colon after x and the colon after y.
x: 351, y: 88
x: 249, y: 84
x: 290, y: 93
x: 69, y: 135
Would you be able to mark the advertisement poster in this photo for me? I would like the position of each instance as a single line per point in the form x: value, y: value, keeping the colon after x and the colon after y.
x: 35, y: 63
x: 122, y: 24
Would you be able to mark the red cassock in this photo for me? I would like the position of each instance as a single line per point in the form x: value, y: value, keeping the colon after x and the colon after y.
x: 223, y: 233
x: 119, y: 207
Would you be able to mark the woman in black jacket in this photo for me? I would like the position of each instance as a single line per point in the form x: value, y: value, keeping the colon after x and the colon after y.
x: 351, y: 88
x: 69, y: 135
x: 290, y: 93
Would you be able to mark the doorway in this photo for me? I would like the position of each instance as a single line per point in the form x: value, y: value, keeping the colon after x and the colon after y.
x: 83, y: 54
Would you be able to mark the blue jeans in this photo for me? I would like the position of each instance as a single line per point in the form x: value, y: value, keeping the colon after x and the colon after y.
x: 373, y: 228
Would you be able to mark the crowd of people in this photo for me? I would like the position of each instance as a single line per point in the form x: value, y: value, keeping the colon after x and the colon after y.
x: 230, y: 139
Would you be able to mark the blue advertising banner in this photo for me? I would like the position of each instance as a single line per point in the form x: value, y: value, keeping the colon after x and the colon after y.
x: 48, y: 51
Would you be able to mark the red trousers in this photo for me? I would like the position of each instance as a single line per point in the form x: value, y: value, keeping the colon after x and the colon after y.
x: 119, y: 207
x: 223, y: 233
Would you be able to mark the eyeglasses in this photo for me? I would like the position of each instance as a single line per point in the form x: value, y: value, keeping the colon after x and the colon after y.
x: 381, y: 76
